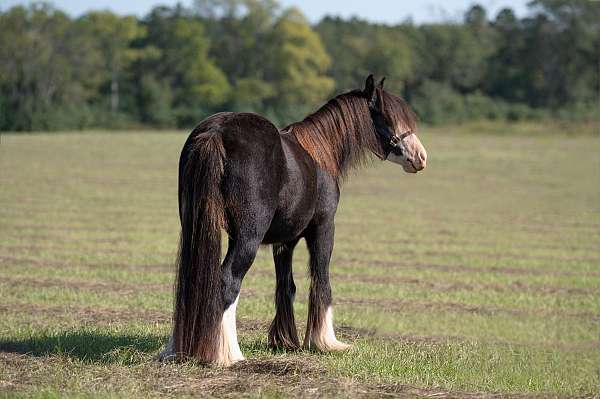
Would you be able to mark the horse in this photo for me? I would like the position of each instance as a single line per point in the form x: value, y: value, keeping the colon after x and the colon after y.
x: 239, y: 174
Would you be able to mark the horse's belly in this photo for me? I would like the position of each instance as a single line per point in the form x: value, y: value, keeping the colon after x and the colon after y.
x: 295, y: 210
x: 286, y: 227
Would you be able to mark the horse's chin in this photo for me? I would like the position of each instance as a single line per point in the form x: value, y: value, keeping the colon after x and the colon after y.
x: 405, y: 163
x: 409, y: 168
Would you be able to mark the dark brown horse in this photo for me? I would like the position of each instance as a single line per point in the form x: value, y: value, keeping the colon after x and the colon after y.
x: 239, y: 173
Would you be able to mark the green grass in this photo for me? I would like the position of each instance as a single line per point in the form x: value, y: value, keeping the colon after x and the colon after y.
x: 478, y: 276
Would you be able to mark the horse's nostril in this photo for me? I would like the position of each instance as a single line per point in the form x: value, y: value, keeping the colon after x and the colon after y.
x: 422, y: 158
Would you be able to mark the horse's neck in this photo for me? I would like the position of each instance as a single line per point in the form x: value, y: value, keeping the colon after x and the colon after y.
x: 334, y: 152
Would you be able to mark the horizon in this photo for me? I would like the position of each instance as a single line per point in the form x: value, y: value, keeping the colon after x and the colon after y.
x: 376, y: 11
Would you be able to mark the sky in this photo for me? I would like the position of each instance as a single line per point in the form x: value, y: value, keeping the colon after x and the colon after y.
x: 382, y: 11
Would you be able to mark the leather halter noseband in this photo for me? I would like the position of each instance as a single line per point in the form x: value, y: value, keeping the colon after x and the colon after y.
x: 394, y: 143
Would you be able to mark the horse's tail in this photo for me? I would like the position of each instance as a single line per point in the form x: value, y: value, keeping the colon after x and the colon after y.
x: 198, y: 299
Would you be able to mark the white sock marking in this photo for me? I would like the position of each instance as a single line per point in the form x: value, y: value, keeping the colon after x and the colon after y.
x: 325, y: 339
x: 230, y: 349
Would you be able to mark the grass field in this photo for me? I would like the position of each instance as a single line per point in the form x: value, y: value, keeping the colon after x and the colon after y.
x: 478, y: 277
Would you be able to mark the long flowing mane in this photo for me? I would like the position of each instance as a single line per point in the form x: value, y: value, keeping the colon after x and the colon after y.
x: 339, y: 135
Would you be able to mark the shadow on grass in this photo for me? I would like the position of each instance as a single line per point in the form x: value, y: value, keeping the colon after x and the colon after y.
x: 88, y: 346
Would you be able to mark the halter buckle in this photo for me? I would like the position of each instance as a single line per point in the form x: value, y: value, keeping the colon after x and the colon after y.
x: 395, y: 141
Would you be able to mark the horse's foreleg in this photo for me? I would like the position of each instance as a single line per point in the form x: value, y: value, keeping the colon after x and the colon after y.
x: 319, y: 327
x: 283, y: 333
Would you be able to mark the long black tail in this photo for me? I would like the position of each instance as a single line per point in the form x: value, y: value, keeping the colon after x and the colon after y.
x: 198, y: 302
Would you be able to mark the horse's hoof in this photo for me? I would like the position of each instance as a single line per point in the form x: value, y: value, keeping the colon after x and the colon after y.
x: 327, y: 346
x: 229, y: 362
x: 340, y: 346
x: 165, y: 356
x: 168, y: 354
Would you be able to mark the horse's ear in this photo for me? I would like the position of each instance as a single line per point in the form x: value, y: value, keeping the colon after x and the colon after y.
x: 369, y: 90
x: 373, y: 93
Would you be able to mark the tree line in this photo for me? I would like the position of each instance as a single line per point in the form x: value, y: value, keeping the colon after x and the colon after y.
x: 176, y: 65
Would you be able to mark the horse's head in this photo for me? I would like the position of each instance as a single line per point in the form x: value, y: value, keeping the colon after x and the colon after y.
x: 395, y: 125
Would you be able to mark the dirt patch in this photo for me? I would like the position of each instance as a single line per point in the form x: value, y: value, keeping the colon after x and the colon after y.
x: 28, y: 261
x: 101, y: 287
x: 349, y: 333
x: 98, y: 286
x: 98, y: 316
x: 61, y: 250
x: 69, y: 239
x: 89, y: 315
x: 84, y: 228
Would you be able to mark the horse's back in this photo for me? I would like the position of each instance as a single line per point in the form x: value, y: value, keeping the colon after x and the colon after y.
x: 251, y: 142
x: 241, y: 130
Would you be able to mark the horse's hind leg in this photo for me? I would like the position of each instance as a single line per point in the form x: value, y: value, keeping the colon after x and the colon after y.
x: 239, y: 258
x: 319, y: 326
x: 168, y: 353
x: 282, y: 333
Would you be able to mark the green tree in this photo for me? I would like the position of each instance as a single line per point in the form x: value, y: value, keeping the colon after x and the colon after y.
x: 572, y: 29
x: 154, y: 101
x: 47, y: 71
x: 347, y: 42
x: 241, y: 33
x: 476, y: 17
x: 274, y: 60
x: 113, y: 36
x: 299, y: 62
x: 507, y: 78
x: 389, y: 54
x: 181, y: 57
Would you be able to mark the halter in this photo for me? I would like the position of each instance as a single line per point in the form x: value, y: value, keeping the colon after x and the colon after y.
x: 394, y: 143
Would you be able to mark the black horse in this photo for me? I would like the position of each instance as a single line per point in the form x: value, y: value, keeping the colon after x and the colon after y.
x: 239, y: 173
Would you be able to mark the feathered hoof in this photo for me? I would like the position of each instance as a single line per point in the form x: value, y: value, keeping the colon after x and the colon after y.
x: 228, y: 362
x: 327, y: 344
x: 323, y: 338
x: 168, y: 354
x: 338, y: 346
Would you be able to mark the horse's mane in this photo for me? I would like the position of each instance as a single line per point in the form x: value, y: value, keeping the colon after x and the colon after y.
x: 340, y: 133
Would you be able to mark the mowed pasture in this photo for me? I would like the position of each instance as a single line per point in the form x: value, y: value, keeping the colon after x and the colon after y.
x: 478, y: 277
